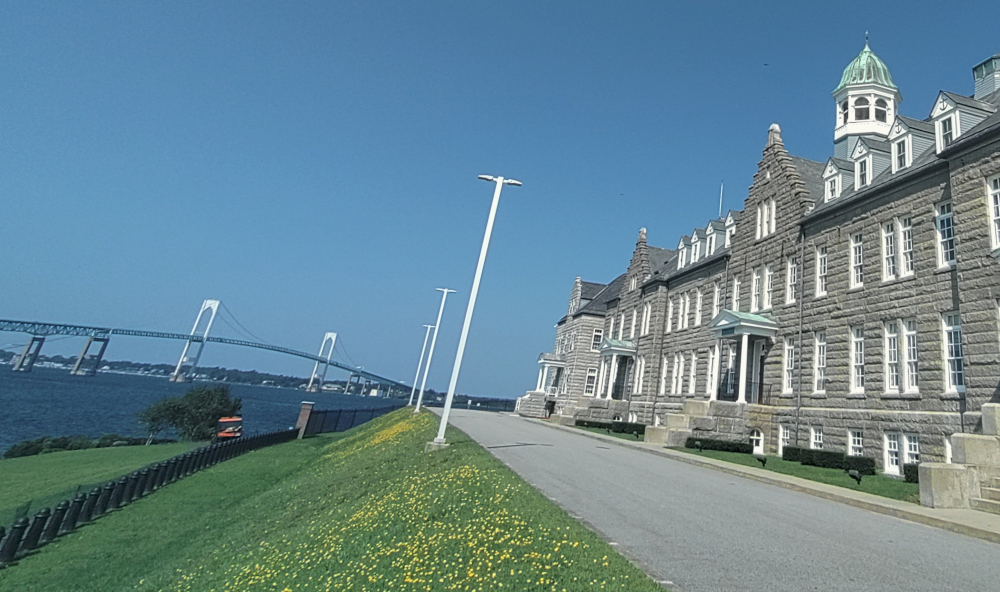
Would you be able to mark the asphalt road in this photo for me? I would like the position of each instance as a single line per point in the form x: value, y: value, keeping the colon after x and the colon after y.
x: 703, y: 530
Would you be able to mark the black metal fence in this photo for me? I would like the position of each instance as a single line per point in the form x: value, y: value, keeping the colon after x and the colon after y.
x: 477, y: 404
x: 27, y: 535
x: 322, y: 421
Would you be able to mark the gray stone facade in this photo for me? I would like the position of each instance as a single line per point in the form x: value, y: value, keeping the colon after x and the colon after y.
x: 910, y: 331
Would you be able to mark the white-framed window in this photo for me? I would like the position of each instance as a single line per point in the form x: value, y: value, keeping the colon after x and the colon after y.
x: 954, y: 360
x: 755, y: 291
x: 892, y: 459
x: 861, y: 109
x: 591, y: 384
x: 686, y: 310
x: 621, y: 326
x: 816, y: 437
x: 906, y: 244
x: 710, y: 247
x: 611, y: 328
x: 677, y: 377
x: 784, y: 438
x: 768, y: 286
x: 696, y: 251
x: 631, y: 329
x: 912, y: 442
x: 792, y: 280
x: 693, y: 372
x: 760, y: 221
x: 910, y: 342
x: 881, y: 110
x: 713, y: 362
x: 736, y: 293
x: 821, y: 261
x: 946, y: 132
x: 663, y: 376
x: 640, y: 371
x: 861, y: 172
x: 892, y: 368
x: 857, y: 359
x: 856, y: 446
x: 833, y: 187
x: 730, y: 231
x: 632, y: 283
x: 901, y: 155
x: 889, y: 266
x: 774, y: 217
x: 789, y: 366
x: 757, y: 441
x: 819, y: 362
x: 697, y: 308
x: 716, y: 295
x: 857, y: 261
x: 945, y: 224
x: 993, y: 191
x: 647, y: 312
x: 670, y: 315
x: 680, y: 262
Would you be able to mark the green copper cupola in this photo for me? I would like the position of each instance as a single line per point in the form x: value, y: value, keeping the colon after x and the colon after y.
x: 866, y: 101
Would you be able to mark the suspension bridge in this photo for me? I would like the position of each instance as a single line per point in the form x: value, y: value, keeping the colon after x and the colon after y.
x: 90, y: 358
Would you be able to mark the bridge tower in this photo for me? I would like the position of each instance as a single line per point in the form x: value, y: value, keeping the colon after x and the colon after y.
x: 26, y: 361
x: 87, y: 366
x: 179, y: 375
x: 316, y: 385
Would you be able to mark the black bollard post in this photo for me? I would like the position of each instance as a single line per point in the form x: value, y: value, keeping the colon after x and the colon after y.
x: 73, y: 514
x: 129, y: 488
x: 140, y: 484
x: 87, y: 513
x: 172, y: 466
x: 102, y: 502
x: 118, y: 493
x: 155, y: 474
x: 13, y: 541
x: 50, y: 530
x: 30, y: 541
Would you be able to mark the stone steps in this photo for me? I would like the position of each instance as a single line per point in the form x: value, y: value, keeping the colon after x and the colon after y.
x: 985, y: 505
x: 990, y: 493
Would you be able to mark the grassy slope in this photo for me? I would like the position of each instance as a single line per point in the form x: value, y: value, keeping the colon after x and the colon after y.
x: 45, y: 475
x: 874, y: 484
x: 365, y: 511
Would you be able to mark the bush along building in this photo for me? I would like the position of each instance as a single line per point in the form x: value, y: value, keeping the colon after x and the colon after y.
x: 852, y: 305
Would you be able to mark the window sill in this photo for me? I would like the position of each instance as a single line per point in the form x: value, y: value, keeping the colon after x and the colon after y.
x: 953, y: 395
x: 823, y: 295
x: 901, y: 396
x: 995, y: 253
x: 857, y: 288
x: 856, y: 395
x: 945, y: 268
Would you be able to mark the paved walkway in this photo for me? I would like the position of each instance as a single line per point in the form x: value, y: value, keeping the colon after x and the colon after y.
x: 705, y: 529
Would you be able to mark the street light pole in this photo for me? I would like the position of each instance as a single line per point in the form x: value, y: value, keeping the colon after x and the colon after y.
x: 427, y: 368
x: 423, y: 350
x: 500, y: 182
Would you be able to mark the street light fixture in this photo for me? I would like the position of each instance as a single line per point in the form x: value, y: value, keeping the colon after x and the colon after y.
x: 427, y: 369
x: 439, y: 441
x: 423, y: 349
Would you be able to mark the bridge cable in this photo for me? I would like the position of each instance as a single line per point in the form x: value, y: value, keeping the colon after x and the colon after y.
x: 226, y: 308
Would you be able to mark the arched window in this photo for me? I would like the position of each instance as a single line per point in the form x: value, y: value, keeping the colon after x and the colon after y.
x: 861, y: 109
x: 880, y: 110
x: 757, y: 441
x: 843, y: 112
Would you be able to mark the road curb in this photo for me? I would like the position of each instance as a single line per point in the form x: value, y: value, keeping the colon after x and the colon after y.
x: 865, y: 501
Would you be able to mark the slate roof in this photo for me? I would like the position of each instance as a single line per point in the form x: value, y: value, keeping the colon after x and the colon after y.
x: 812, y: 175
x: 916, y: 124
x: 590, y: 289
x: 879, y: 145
x: 599, y: 304
x: 969, y: 102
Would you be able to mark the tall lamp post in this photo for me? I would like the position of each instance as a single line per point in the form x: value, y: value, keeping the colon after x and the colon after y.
x: 439, y: 441
x: 420, y: 364
x: 427, y: 368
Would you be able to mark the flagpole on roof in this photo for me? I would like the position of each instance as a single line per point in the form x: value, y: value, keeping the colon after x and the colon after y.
x: 722, y: 185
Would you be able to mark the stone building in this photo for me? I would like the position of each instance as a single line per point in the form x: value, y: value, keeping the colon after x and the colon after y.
x: 853, y: 304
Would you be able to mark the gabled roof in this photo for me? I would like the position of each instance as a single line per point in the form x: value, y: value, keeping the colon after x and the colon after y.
x: 916, y: 124
x: 599, y: 304
x: 839, y: 164
x: 811, y: 173
x: 588, y: 290
x: 733, y: 322
x: 965, y: 101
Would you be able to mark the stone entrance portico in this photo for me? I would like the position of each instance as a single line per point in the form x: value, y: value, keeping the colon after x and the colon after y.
x: 742, y: 339
x: 617, y: 359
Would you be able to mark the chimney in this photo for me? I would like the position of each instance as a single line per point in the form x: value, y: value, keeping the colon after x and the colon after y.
x: 987, y: 77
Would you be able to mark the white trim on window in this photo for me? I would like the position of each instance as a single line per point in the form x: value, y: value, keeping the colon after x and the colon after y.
x: 692, y: 378
x: 819, y: 362
x: 647, y: 312
x: 902, y: 155
x: 954, y: 360
x: 821, y: 268
x: 944, y: 224
x: 833, y: 185
x: 816, y: 437
x: 857, y: 261
x: 792, y: 280
x: 906, y: 247
x: 755, y: 291
x: 855, y: 443
x: 784, y: 438
x: 663, y: 376
x: 912, y: 448
x: 670, y: 315
x: 789, y: 366
x: 697, y: 308
x: 685, y: 310
x: 716, y: 297
x: 893, y: 370
x: 946, y: 131
x: 768, y: 286
x: 892, y: 460
x: 857, y: 359
x: 590, y: 386
x: 993, y: 204
x: 757, y: 441
x: 713, y: 377
x: 736, y: 293
x: 890, y: 265
x: 863, y: 172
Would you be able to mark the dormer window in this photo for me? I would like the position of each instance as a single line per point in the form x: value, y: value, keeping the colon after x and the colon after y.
x: 862, y: 172
x: 833, y: 187
x: 683, y: 258
x: 710, y: 249
x: 881, y: 110
x: 696, y: 252
x: 861, y: 109
x: 730, y: 231
x: 901, y: 155
x: 947, y: 132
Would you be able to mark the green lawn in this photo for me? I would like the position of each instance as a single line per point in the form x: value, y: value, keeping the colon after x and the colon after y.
x: 47, y: 479
x: 367, y: 510
x: 874, y: 484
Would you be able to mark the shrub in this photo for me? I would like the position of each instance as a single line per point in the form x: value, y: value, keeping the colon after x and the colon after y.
x: 624, y: 427
x: 793, y: 453
x: 26, y: 448
x: 864, y: 465
x: 194, y: 415
x: 722, y: 445
x: 828, y: 459
x: 590, y: 423
x: 910, y: 473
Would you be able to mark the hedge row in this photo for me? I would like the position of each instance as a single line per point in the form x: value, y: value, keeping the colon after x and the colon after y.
x: 618, y: 427
x: 723, y: 445
x: 910, y: 473
x: 829, y: 459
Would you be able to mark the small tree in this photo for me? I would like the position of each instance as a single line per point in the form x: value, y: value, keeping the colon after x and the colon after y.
x: 193, y: 415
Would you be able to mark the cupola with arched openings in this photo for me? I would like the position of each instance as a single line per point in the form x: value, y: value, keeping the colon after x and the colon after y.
x: 866, y: 102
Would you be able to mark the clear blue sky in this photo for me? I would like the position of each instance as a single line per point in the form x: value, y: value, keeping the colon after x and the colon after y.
x: 313, y: 164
